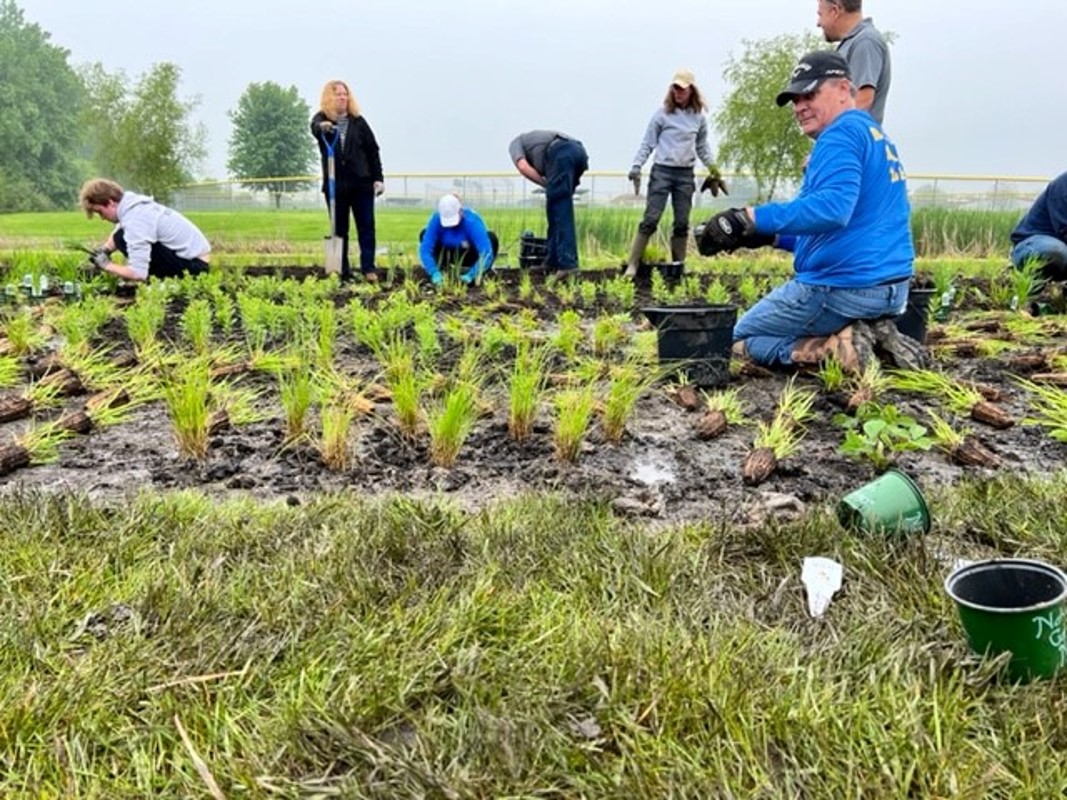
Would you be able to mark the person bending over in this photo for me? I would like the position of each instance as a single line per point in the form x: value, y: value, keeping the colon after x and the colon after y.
x: 157, y: 241
x: 457, y: 235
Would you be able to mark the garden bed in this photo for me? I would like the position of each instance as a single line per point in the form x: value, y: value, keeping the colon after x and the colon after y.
x: 664, y: 465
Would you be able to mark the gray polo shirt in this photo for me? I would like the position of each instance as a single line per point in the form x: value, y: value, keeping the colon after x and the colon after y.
x: 867, y: 54
x: 533, y: 146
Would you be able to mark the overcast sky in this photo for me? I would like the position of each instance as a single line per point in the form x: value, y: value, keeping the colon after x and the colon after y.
x: 979, y: 87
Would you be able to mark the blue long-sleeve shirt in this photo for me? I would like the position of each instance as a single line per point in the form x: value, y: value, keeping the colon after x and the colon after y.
x: 1047, y: 216
x: 470, y: 231
x: 850, y: 224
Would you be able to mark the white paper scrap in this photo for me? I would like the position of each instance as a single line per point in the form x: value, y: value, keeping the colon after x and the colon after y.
x: 822, y: 578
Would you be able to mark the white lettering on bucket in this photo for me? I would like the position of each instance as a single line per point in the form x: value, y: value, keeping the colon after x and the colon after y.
x: 1050, y: 625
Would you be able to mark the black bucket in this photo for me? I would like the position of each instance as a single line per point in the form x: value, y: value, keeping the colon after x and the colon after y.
x: 913, y: 321
x: 696, y: 339
x: 533, y: 250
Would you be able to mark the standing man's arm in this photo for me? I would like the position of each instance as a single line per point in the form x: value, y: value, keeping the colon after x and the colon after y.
x: 865, y: 62
x: 529, y: 172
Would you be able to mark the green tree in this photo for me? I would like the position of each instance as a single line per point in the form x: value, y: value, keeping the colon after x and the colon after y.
x: 144, y: 138
x: 755, y: 134
x: 270, y: 138
x: 40, y: 98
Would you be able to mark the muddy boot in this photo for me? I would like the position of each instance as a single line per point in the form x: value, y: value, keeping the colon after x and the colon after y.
x: 636, y: 252
x: 852, y: 346
x: 679, y: 247
x: 903, y: 351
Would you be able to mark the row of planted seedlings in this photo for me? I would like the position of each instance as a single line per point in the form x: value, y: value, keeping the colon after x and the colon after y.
x: 192, y: 343
x: 289, y: 329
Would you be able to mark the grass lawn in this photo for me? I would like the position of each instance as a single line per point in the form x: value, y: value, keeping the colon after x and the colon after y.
x: 543, y: 649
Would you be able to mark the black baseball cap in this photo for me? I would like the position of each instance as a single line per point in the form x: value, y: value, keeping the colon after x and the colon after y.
x: 810, y: 71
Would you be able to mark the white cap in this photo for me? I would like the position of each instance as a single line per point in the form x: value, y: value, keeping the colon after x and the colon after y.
x: 448, y: 209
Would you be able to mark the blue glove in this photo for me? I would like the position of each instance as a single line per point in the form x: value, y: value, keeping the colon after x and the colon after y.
x: 436, y: 278
x: 470, y: 275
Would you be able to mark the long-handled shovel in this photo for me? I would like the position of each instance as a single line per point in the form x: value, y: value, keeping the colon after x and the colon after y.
x: 334, y: 243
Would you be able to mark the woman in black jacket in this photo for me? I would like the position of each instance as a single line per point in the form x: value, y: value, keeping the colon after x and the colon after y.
x: 358, y: 168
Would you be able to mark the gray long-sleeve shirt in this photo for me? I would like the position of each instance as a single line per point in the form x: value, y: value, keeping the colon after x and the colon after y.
x: 678, y: 138
x: 144, y: 222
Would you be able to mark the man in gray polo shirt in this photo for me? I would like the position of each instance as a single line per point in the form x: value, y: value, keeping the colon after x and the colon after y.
x: 557, y: 162
x: 863, y: 47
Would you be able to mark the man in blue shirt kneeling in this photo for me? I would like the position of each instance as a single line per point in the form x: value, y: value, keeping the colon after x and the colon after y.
x: 848, y: 229
x: 457, y: 235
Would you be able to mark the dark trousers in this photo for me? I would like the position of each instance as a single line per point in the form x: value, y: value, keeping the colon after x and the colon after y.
x: 566, y: 161
x: 678, y: 184
x: 465, y: 256
x: 163, y: 262
x: 359, y: 202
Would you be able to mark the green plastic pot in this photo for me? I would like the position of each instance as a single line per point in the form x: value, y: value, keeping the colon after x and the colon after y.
x: 1014, y: 605
x: 891, y: 503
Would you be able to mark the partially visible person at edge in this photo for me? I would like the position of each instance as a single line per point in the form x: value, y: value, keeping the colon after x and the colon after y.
x: 863, y: 47
x: 1041, y: 235
x: 157, y: 241
x: 556, y: 162
x: 678, y: 132
x: 457, y: 235
x: 358, y: 167
x: 848, y: 229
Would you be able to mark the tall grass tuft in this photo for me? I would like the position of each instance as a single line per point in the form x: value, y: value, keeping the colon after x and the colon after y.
x: 526, y: 388
x: 574, y: 412
x: 186, y: 398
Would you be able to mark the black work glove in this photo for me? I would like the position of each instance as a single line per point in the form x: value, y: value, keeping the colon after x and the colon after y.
x: 100, y: 258
x: 725, y: 232
x: 714, y: 182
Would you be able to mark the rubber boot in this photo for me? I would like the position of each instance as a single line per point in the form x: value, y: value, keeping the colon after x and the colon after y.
x: 679, y: 247
x: 636, y: 252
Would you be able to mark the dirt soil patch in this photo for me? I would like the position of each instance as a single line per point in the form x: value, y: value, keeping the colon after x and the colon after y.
x: 661, y: 469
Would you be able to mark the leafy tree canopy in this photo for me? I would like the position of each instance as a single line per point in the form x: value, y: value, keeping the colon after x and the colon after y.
x: 143, y: 138
x: 40, y: 99
x: 756, y: 135
x: 270, y: 138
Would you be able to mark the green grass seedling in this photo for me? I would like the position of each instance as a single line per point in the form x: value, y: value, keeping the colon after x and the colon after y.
x: 196, y: 324
x: 957, y: 397
x: 450, y: 422
x: 625, y: 387
x: 22, y: 334
x: 1049, y: 404
x: 728, y: 401
x: 574, y: 412
x: 10, y: 371
x: 333, y: 445
x: 186, y: 398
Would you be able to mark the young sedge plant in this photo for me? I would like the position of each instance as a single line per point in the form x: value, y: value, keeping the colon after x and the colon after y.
x: 609, y: 333
x: 779, y: 439
x: 574, y: 412
x: 298, y: 395
x: 831, y: 374
x: 405, y: 384
x: 10, y: 371
x: 1049, y: 405
x: 957, y: 397
x: 22, y: 334
x: 195, y: 325
x: 569, y: 333
x: 526, y: 388
x: 1026, y: 282
x: 334, y: 445
x: 716, y: 294
x: 728, y: 402
x: 38, y: 444
x: 626, y: 386
x: 186, y: 398
x: 451, y: 421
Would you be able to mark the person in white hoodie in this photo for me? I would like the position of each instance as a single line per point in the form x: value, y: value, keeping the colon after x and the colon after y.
x: 157, y: 241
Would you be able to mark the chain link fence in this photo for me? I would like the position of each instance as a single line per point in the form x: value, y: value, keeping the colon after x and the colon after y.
x: 601, y: 189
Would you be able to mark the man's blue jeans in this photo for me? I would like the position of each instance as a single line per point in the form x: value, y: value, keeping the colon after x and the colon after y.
x: 1049, y: 250
x: 795, y: 310
x: 565, y: 163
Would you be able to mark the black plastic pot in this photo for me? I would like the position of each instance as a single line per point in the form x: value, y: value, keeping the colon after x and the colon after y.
x: 696, y: 339
x: 532, y: 250
x: 913, y: 321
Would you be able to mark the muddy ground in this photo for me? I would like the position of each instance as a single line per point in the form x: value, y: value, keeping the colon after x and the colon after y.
x: 661, y: 469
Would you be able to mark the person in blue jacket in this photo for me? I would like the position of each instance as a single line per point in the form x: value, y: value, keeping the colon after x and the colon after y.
x: 457, y: 235
x: 1041, y: 235
x: 848, y: 229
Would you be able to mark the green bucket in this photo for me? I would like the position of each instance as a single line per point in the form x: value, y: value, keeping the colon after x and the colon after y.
x: 1014, y: 605
x: 891, y: 503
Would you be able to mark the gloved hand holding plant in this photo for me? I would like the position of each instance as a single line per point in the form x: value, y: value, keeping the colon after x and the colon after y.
x: 714, y: 182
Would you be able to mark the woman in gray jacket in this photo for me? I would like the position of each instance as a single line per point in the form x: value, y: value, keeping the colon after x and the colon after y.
x: 678, y: 133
